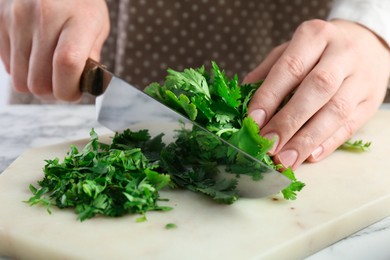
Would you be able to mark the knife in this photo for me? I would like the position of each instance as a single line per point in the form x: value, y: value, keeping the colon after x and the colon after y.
x: 119, y: 106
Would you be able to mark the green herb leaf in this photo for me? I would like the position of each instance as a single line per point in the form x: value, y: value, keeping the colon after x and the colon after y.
x: 295, y: 186
x: 249, y: 140
x: 110, y: 180
x: 355, y: 146
x: 222, y: 106
x: 190, y: 80
x: 170, y: 226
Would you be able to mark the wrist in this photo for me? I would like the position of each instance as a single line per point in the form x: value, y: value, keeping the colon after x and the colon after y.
x: 363, y: 32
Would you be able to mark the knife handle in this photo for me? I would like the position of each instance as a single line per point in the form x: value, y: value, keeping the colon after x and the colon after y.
x: 95, y: 78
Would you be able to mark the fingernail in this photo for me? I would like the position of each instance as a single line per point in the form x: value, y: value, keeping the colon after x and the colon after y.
x: 317, y: 152
x: 288, y: 157
x: 273, y: 136
x: 258, y: 116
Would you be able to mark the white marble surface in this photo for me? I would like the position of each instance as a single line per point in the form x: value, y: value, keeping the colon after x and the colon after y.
x: 26, y: 126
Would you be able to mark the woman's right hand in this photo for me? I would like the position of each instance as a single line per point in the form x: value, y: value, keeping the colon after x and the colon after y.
x: 44, y: 43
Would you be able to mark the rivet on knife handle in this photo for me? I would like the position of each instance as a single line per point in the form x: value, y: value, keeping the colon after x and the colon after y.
x: 95, y: 78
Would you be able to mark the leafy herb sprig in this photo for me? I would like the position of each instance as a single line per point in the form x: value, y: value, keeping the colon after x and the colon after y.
x: 220, y: 104
x: 355, y: 146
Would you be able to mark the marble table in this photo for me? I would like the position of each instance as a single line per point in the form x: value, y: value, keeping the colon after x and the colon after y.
x: 26, y: 126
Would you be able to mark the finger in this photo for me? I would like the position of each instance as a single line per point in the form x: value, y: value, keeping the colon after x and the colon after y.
x: 20, y: 42
x: 74, y: 47
x: 363, y: 112
x: 261, y: 71
x: 5, y: 48
x: 322, y: 126
x: 95, y: 52
x: 97, y: 47
x: 299, y: 58
x: 45, y: 39
x: 315, y: 91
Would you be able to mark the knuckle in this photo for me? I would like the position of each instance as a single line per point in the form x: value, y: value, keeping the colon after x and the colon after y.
x: 340, y: 107
x: 69, y: 58
x: 294, y: 66
x: 314, y: 27
x: 67, y: 98
x: 307, y: 140
x: 39, y: 88
x: 324, y: 81
x: 19, y: 84
x: 291, y: 122
x: 270, y: 94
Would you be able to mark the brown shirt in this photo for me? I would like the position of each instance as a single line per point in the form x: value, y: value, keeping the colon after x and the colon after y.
x: 148, y: 37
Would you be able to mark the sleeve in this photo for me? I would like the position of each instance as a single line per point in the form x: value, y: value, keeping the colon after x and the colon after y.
x: 373, y: 14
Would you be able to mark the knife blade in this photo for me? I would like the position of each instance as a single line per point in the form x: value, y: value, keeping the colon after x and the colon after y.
x: 119, y: 106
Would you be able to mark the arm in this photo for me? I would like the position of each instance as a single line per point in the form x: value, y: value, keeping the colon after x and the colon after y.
x: 44, y: 44
x: 339, y: 71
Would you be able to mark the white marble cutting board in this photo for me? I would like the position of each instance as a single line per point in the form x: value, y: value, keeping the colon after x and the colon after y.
x: 344, y: 193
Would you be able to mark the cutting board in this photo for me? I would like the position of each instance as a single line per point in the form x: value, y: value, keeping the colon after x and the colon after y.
x: 345, y: 193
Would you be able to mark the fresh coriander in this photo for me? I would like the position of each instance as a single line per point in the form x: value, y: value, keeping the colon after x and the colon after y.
x: 110, y: 180
x: 220, y: 104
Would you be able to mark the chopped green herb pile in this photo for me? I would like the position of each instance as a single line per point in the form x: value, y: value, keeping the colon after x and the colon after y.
x: 110, y: 180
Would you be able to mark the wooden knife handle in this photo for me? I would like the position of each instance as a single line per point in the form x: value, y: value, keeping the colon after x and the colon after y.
x: 95, y: 78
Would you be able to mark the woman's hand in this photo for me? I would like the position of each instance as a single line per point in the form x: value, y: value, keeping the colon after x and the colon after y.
x: 338, y: 71
x: 44, y: 44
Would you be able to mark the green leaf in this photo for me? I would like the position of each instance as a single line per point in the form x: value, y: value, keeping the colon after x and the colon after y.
x: 249, y: 140
x: 170, y: 226
x: 157, y: 179
x: 189, y: 80
x: 290, y: 192
x: 228, y: 91
x: 141, y: 219
x: 183, y: 102
x: 355, y: 146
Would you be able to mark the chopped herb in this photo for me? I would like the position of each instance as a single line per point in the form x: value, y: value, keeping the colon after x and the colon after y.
x: 170, y: 226
x: 111, y: 180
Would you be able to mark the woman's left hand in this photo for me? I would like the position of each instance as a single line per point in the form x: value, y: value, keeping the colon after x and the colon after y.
x: 338, y: 71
